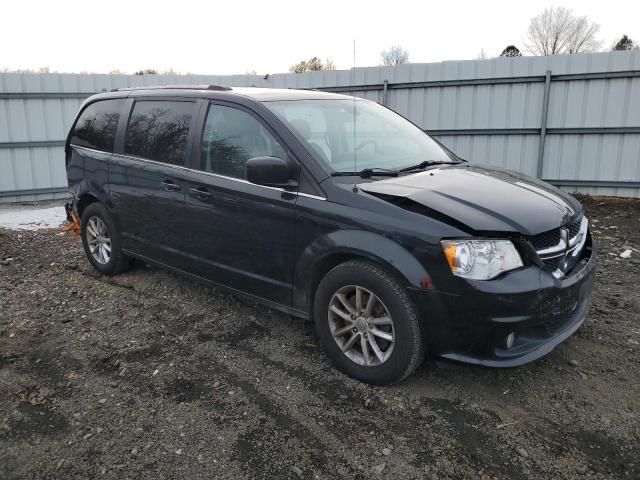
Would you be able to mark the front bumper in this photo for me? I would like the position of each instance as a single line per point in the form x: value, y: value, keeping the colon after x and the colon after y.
x: 540, y: 311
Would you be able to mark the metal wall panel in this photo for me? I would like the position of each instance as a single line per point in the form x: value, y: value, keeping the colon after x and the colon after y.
x: 516, y: 152
x: 488, y: 111
x: 584, y: 157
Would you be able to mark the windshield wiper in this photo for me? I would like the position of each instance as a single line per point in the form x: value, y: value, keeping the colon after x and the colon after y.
x: 427, y: 163
x: 386, y: 172
x: 368, y: 173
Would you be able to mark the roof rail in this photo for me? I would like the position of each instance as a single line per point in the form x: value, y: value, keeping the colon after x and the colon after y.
x: 219, y: 88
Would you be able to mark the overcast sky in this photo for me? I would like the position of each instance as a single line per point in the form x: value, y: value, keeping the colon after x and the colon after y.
x: 225, y: 37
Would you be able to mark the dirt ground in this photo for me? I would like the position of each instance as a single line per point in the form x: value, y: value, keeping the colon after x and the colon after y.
x: 147, y: 375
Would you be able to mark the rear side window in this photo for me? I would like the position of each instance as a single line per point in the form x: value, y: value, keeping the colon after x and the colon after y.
x: 231, y: 137
x: 96, y: 127
x: 158, y: 131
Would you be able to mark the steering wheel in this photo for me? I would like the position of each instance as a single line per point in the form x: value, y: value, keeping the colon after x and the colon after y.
x: 365, y: 143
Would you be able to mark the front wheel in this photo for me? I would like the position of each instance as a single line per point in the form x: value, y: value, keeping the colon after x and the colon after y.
x: 367, y: 323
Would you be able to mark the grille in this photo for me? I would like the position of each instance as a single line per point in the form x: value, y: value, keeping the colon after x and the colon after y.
x: 552, y: 264
x: 545, y: 239
x: 550, y: 239
x: 574, y: 228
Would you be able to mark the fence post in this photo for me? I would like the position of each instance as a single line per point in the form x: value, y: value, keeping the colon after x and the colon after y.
x: 385, y: 86
x: 543, y: 123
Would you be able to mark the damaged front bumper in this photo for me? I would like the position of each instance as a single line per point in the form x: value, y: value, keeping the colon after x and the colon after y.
x: 509, y: 321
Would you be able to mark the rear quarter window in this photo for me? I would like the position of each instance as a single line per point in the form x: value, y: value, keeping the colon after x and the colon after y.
x: 158, y: 130
x: 97, y: 124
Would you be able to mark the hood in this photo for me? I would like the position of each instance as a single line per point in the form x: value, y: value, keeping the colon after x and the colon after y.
x: 484, y: 198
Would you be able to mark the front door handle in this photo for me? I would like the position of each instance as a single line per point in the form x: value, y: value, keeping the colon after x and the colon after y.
x: 170, y: 186
x: 200, y: 192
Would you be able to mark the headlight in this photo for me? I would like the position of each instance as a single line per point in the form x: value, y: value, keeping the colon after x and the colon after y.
x: 481, y: 259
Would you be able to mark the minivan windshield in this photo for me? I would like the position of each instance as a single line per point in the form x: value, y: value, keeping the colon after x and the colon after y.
x: 352, y: 135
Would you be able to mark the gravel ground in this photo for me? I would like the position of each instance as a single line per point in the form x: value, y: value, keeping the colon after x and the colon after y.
x: 148, y: 375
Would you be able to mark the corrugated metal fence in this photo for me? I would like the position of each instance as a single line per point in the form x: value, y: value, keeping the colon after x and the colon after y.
x: 573, y: 120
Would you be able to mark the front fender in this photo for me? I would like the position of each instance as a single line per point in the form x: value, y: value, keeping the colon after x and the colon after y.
x: 373, y: 246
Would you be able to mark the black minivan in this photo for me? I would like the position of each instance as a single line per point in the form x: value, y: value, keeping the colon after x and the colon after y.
x: 334, y: 209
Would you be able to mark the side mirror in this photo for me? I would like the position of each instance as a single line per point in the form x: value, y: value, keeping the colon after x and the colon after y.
x: 268, y: 171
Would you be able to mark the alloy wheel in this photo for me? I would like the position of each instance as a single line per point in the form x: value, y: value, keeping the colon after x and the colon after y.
x: 361, y: 325
x: 98, y: 240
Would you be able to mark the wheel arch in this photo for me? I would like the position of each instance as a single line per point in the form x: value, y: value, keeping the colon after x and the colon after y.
x: 83, y: 201
x: 341, y: 246
x: 85, y: 193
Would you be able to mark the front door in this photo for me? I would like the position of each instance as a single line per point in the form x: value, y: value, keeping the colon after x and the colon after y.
x: 241, y: 235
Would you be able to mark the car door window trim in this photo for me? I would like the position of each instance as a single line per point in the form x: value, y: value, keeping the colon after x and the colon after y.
x: 167, y: 101
x: 290, y: 158
x: 201, y: 121
x: 179, y: 167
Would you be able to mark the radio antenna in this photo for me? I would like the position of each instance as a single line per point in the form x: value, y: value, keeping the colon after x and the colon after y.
x: 353, y: 92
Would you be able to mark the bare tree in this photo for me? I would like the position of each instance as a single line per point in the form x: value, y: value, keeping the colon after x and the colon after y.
x: 27, y: 70
x: 583, y: 38
x: 299, y: 67
x: 395, y: 55
x: 312, y: 65
x: 482, y: 54
x: 557, y: 30
x: 147, y: 71
x: 329, y: 64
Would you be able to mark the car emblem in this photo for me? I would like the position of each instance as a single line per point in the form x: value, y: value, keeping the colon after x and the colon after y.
x: 564, y: 235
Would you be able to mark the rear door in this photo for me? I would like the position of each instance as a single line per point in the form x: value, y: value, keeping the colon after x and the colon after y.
x: 240, y: 234
x: 147, y: 179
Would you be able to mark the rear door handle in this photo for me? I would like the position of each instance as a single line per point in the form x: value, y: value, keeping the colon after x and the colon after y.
x: 170, y: 186
x: 200, y: 192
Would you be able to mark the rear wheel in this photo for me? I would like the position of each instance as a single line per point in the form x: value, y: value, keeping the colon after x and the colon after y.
x: 367, y: 323
x: 101, y: 241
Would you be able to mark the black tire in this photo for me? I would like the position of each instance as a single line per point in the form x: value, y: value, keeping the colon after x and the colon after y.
x: 409, y: 349
x: 118, y: 262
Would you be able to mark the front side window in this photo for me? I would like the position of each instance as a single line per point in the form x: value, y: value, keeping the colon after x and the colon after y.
x: 96, y: 127
x: 158, y: 131
x: 230, y: 138
x: 345, y: 134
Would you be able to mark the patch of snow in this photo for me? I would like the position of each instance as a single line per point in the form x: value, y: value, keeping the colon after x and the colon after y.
x: 31, y: 217
x: 626, y: 254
